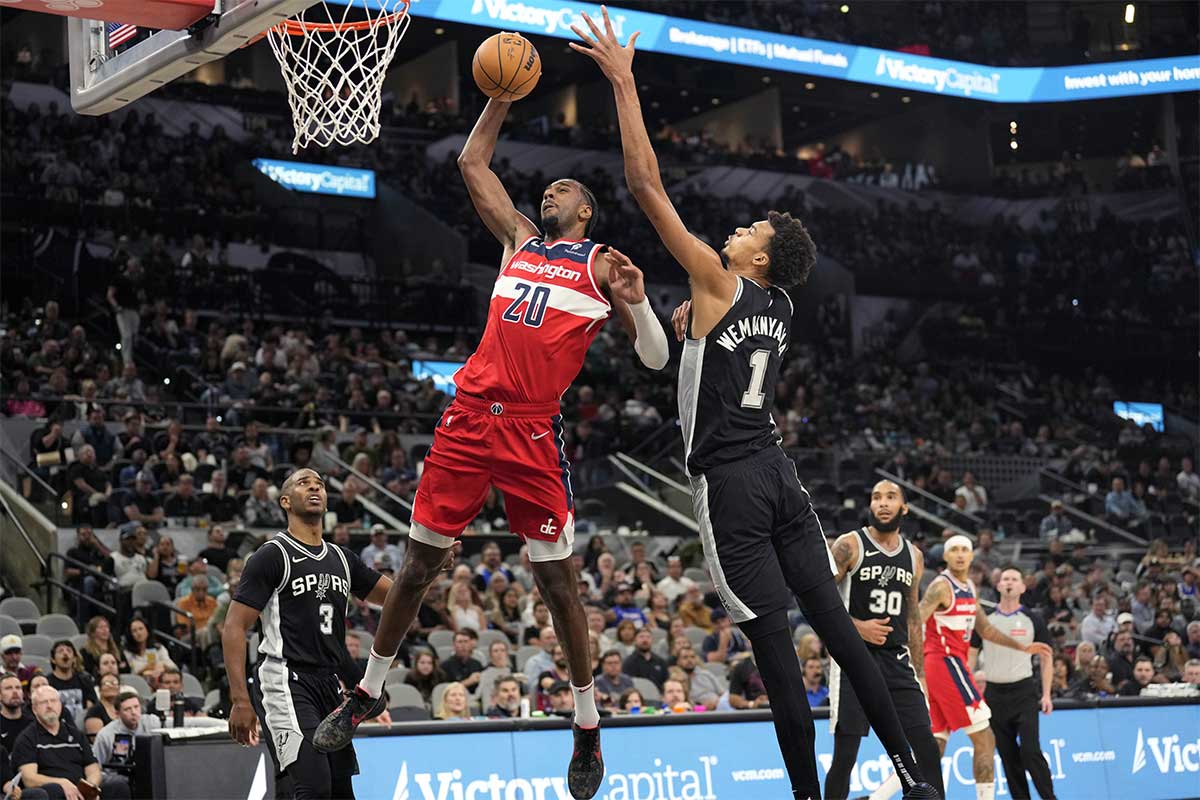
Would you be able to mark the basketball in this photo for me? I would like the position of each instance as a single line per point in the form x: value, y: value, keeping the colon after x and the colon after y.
x: 506, y: 66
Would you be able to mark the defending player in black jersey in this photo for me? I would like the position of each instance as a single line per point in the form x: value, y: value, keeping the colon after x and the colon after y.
x: 299, y: 586
x: 761, y: 536
x: 879, y: 575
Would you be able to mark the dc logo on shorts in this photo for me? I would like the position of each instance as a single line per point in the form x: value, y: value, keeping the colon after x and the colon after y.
x: 497, y: 409
x: 549, y: 529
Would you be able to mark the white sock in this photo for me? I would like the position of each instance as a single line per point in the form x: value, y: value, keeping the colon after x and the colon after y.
x: 377, y: 669
x: 985, y: 791
x: 887, y: 789
x: 586, y: 714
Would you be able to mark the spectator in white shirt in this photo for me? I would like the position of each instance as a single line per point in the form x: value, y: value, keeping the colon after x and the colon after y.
x: 975, y: 495
x: 1098, y: 624
x: 129, y: 566
x: 379, y: 546
x: 675, y: 584
x: 1188, y: 480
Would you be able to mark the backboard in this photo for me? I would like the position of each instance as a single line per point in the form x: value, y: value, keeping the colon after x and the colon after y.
x: 188, y: 33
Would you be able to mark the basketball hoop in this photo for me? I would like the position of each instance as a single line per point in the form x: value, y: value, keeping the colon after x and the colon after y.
x: 334, y: 68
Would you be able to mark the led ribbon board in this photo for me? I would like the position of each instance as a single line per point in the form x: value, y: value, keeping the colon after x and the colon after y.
x: 319, y: 178
x: 754, y: 48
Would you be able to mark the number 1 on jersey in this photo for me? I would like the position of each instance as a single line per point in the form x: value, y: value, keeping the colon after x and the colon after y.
x: 753, y: 396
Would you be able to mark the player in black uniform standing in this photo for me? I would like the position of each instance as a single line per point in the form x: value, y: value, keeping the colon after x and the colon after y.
x: 299, y: 586
x: 879, y: 575
x: 761, y: 536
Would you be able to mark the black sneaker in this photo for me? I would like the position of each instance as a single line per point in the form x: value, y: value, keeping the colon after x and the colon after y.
x: 922, y: 791
x: 336, y: 730
x: 587, y: 765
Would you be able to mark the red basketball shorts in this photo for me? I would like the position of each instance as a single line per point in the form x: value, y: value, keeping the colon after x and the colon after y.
x: 516, y: 447
x: 954, y: 700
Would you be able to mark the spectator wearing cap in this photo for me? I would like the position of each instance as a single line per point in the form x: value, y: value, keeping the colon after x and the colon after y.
x: 143, y: 507
x: 561, y: 698
x: 90, y: 488
x: 626, y: 608
x: 14, y: 713
x: 675, y: 584
x: 11, y: 649
x: 134, y: 435
x: 725, y: 641
x: 380, y: 546
x: 217, y: 551
x: 1056, y: 523
x: 1098, y: 624
x: 239, y: 384
x: 220, y: 503
x: 260, y: 511
x: 97, y: 434
x: 54, y: 757
x: 348, y: 508
x: 643, y: 662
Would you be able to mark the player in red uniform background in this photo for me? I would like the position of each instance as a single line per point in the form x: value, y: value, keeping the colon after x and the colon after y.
x: 555, y: 289
x: 951, y: 611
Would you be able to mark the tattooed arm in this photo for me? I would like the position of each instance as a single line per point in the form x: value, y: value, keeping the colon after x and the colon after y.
x: 916, y: 623
x: 845, y: 553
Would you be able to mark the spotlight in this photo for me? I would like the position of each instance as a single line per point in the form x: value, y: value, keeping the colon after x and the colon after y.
x: 810, y: 86
x: 439, y: 31
x: 874, y: 95
x: 166, y: 381
x: 1012, y: 126
x: 845, y: 9
x: 1013, y: 144
x: 1130, y: 12
x: 906, y: 99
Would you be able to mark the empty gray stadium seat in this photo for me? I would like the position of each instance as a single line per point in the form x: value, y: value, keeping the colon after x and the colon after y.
x: 192, y: 686
x: 402, y: 694
x: 8, y: 625
x: 37, y: 644
x: 57, y: 626
x: 139, y: 685
x: 650, y: 693
x: 23, y: 610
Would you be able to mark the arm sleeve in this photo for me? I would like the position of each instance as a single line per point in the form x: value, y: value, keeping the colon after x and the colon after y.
x: 650, y: 342
x: 976, y: 641
x: 362, y: 577
x: 261, y: 577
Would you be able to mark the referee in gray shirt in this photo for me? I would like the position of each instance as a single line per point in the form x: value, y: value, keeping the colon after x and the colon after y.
x: 1011, y: 692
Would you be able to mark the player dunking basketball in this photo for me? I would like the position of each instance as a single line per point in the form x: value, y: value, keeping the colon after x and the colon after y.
x: 761, y: 536
x: 554, y: 291
x: 950, y: 612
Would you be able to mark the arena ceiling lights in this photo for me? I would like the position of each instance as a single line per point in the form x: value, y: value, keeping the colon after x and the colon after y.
x: 762, y: 49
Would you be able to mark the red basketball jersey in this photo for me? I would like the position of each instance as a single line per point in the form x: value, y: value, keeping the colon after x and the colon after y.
x: 948, y: 631
x: 546, y: 309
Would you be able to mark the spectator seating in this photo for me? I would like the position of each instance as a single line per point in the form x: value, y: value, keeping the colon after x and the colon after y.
x: 23, y: 610
x: 8, y: 625
x: 37, y: 644
x: 524, y: 654
x: 650, y: 692
x: 57, y: 626
x: 402, y: 694
x: 438, y: 639
x: 192, y: 686
x: 41, y: 662
x: 139, y: 685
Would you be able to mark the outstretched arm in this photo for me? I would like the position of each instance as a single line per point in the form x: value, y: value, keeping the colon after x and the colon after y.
x: 495, y: 207
x: 624, y: 284
x: 987, y: 630
x: 641, y: 166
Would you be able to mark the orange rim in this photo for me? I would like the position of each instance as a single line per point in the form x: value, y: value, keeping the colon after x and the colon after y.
x: 297, y: 27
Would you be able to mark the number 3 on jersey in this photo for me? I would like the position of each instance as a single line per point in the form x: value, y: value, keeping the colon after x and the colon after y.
x: 753, y: 396
x: 535, y: 312
x: 885, y: 602
x: 326, y: 611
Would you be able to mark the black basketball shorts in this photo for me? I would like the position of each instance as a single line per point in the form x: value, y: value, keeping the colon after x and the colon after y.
x: 761, y: 536
x: 846, y: 715
x: 290, y: 705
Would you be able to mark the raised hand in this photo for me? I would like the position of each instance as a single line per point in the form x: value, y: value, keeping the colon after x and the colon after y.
x: 614, y: 60
x: 679, y: 319
x: 624, y: 279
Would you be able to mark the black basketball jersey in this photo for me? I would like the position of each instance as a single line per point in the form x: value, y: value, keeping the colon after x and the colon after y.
x: 727, y: 379
x: 301, y: 593
x: 879, y: 586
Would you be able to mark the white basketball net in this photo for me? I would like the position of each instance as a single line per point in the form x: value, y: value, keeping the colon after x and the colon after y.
x: 334, y: 68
